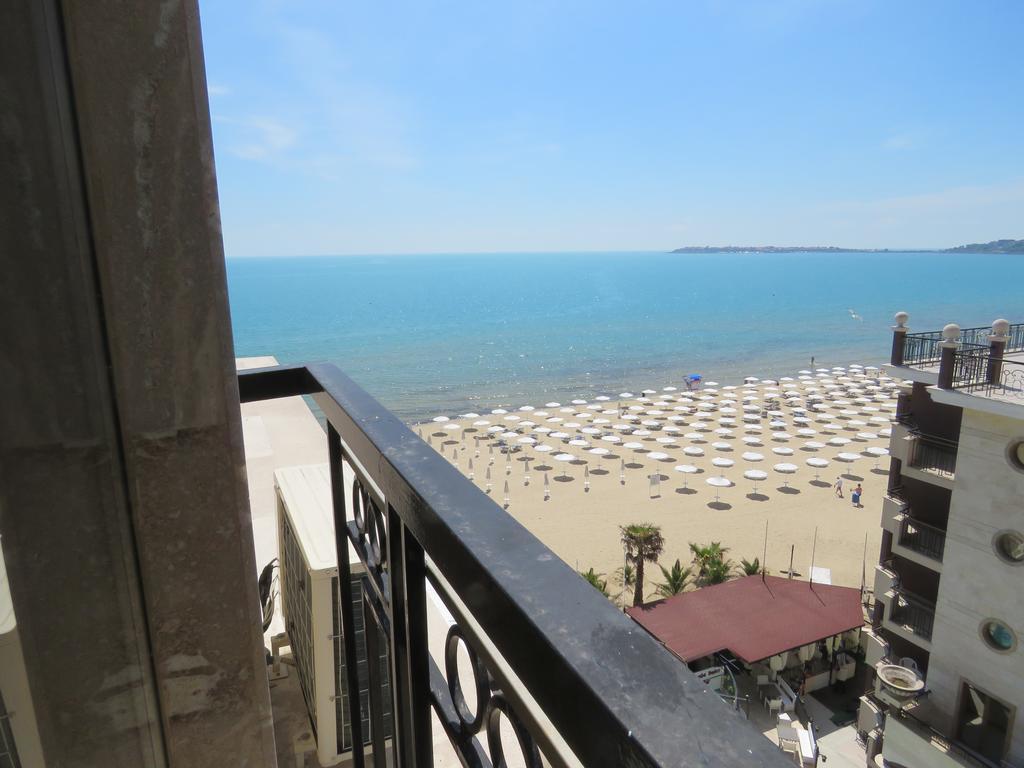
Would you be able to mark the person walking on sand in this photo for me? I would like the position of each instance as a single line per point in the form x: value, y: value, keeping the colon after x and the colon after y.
x: 855, y: 496
x: 839, y: 487
x: 812, y: 361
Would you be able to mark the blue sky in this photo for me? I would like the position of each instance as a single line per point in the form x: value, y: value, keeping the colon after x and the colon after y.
x: 394, y: 127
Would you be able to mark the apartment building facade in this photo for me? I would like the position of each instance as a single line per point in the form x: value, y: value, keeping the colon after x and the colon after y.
x: 949, y: 602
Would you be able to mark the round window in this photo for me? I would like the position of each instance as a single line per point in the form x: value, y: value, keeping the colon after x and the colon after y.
x: 998, y: 636
x: 1015, y: 454
x: 1009, y: 545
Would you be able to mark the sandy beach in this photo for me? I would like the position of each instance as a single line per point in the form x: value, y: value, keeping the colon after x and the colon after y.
x: 839, y: 415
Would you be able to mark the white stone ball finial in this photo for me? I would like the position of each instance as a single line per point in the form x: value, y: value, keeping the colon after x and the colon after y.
x: 951, y: 332
x: 1000, y: 327
x: 901, y: 319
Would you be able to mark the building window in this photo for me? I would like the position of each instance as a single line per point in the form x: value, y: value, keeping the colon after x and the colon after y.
x: 983, y: 723
x: 1015, y: 455
x: 998, y: 636
x: 1009, y: 545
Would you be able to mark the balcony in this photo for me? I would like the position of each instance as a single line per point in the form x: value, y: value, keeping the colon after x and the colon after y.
x: 922, y: 538
x: 576, y: 680
x: 910, y: 613
x: 910, y: 741
x: 932, y: 459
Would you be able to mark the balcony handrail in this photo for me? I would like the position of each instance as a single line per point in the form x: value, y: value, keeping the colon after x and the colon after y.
x: 922, y: 348
x: 573, y: 662
x: 921, y: 537
x: 918, y: 613
x: 988, y: 375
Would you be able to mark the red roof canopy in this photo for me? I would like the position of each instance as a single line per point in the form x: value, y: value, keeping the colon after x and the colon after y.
x: 753, y: 619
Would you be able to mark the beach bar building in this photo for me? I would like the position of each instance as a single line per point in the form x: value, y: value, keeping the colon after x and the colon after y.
x: 780, y: 630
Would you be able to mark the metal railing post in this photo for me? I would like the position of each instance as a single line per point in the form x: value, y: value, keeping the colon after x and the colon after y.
x: 899, y: 338
x: 947, y: 362
x: 997, y: 346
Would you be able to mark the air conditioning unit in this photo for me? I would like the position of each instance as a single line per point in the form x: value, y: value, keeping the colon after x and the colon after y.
x: 309, y: 597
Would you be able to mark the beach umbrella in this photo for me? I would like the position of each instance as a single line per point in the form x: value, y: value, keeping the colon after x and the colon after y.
x: 756, y: 475
x: 867, y: 436
x: 578, y: 443
x: 696, y: 437
x: 470, y: 469
x: 622, y: 471
x: 586, y: 478
x: 785, y: 468
x: 440, y: 419
x: 847, y: 457
x: 838, y: 441
x: 693, y: 450
x: 599, y: 452
x: 720, y: 461
x: 547, y: 487
x: 781, y: 436
x: 506, y: 493
x: 752, y: 456
x: 878, y: 453
x: 657, y: 455
x: 560, y: 435
x: 666, y: 440
x: 813, y: 445
x: 654, y: 489
x: 721, y: 445
x: 611, y: 438
x: 641, y: 432
x: 510, y: 417
x: 488, y: 489
x: 718, y: 483
x: 526, y: 408
x: 564, y: 457
x: 752, y: 440
x: 686, y: 469
x: 818, y: 464
x: 602, y: 398
x: 782, y: 451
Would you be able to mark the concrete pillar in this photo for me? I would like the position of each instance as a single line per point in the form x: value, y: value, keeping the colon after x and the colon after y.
x: 899, y: 337
x: 947, y: 361
x: 997, y: 347
x: 123, y: 505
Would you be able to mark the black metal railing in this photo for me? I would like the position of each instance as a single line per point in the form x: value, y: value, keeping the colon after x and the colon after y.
x: 577, y: 680
x: 934, y: 454
x: 923, y: 348
x: 987, y: 375
x: 921, y: 537
x: 912, y: 612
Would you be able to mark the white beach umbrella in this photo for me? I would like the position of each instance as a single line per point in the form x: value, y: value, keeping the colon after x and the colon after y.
x: 657, y: 455
x: 720, y: 461
x: 756, y: 475
x: 666, y: 440
x: 806, y: 432
x: 752, y: 456
x: 560, y: 435
x: 611, y: 438
x: 838, y: 441
x: 641, y: 432
x: 697, y: 437
x: 724, y: 431
x: 867, y: 436
x: 686, y: 469
x: 814, y: 445
x: 578, y: 442
x: 590, y: 431
x: 781, y: 435
x: 602, y: 398
x: 817, y: 464
x: 752, y: 440
x: 440, y: 419
x: 693, y: 450
x: 511, y: 417
x: 526, y: 440
x: 718, y: 483
x: 721, y: 445
x: 785, y: 468
x: 782, y: 451
x: 564, y: 458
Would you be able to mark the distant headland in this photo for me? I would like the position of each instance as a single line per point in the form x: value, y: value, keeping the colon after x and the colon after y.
x: 995, y: 246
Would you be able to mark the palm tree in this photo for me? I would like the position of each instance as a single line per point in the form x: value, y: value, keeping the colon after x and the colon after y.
x: 643, y: 543
x: 675, y: 579
x: 595, y: 580
x: 710, y: 562
x: 750, y: 567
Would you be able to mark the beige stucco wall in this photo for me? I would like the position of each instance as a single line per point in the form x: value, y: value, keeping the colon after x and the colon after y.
x: 976, y: 585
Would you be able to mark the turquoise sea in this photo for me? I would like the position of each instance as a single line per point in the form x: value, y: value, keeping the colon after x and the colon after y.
x: 431, y: 334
